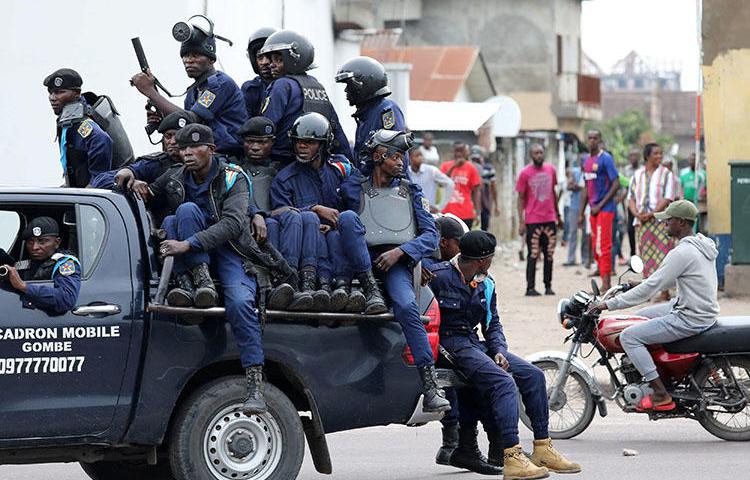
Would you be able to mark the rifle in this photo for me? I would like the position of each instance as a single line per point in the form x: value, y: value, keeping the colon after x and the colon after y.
x: 143, y: 62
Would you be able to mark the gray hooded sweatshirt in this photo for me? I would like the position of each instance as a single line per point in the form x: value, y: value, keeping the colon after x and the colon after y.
x: 691, y: 265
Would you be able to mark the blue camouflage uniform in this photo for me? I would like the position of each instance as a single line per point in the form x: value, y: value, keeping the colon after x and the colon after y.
x: 220, y: 104
x: 399, y: 280
x: 300, y: 186
x: 85, y: 152
x: 379, y: 113
x: 62, y: 295
x: 462, y: 308
x: 254, y: 92
x: 283, y: 105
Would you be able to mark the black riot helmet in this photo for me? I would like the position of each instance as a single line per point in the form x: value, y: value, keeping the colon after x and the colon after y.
x: 196, y: 39
x: 255, y: 43
x: 312, y: 126
x: 393, y: 140
x: 365, y: 79
x: 296, y: 50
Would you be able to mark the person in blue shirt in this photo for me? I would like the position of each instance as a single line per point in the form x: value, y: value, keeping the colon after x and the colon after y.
x: 396, y: 223
x: 85, y: 149
x: 254, y: 90
x: 209, y: 226
x: 293, y: 93
x: 467, y: 298
x: 311, y: 184
x: 46, y: 262
x: 367, y: 88
x: 214, y: 96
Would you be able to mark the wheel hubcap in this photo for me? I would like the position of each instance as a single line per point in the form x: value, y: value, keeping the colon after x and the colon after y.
x: 238, y: 446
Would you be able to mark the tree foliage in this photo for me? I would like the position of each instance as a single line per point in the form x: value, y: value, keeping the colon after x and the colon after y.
x: 630, y: 130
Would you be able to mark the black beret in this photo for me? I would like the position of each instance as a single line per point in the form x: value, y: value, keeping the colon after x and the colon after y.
x: 258, y: 127
x: 477, y: 245
x: 41, y: 227
x: 195, y: 134
x: 449, y: 227
x: 64, y: 78
x: 177, y: 120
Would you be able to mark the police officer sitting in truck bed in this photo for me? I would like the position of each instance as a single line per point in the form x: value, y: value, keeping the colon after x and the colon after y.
x: 46, y: 262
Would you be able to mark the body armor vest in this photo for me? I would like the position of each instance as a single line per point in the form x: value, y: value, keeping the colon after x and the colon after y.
x: 315, y: 99
x: 261, y: 178
x: 387, y: 214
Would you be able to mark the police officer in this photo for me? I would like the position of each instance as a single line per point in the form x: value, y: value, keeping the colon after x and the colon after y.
x: 293, y: 93
x: 214, y: 96
x: 386, y: 202
x: 46, y: 262
x: 311, y: 184
x: 292, y: 232
x: 85, y: 149
x: 460, y: 447
x: 210, y: 226
x: 147, y: 168
x: 367, y: 88
x: 466, y: 295
x: 254, y: 90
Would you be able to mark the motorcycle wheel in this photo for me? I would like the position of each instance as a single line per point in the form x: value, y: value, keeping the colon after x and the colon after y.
x: 727, y: 424
x: 574, y: 412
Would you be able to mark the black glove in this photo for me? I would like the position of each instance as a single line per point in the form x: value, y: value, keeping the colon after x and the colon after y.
x: 6, y: 259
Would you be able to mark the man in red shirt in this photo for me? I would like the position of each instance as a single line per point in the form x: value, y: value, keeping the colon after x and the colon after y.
x: 466, y: 198
x: 538, y: 216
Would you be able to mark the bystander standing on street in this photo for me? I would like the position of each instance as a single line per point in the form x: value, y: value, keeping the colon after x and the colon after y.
x: 430, y: 178
x: 538, y: 217
x: 634, y: 160
x: 652, y: 190
x: 429, y: 151
x: 489, y: 191
x: 465, y: 203
x: 692, y: 190
x: 575, y: 184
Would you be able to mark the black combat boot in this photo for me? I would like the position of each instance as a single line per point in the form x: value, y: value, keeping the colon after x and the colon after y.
x: 468, y: 456
x: 336, y: 303
x: 280, y: 297
x: 256, y: 402
x: 450, y: 442
x: 495, y: 454
x: 355, y: 299
x: 182, y: 294
x: 321, y: 299
x: 205, y: 295
x: 374, y: 302
x: 434, y: 397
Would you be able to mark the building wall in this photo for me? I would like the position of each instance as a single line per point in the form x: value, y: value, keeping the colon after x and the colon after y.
x: 726, y: 100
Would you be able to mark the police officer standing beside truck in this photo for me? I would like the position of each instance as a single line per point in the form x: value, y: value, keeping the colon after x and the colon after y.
x: 85, y: 149
x: 46, y: 262
x: 399, y: 231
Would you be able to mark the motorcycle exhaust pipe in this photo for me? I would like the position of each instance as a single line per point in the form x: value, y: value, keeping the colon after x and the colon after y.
x: 4, y: 271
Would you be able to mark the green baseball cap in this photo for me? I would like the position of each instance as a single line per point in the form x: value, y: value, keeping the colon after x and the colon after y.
x: 679, y: 209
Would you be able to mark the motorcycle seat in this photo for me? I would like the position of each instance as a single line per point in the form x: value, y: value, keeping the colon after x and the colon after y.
x: 727, y: 335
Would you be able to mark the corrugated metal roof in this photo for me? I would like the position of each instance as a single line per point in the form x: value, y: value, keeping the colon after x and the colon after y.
x: 449, y: 116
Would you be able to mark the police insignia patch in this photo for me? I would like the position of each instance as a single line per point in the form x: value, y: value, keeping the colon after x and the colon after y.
x: 58, y: 81
x: 425, y: 204
x: 195, y: 136
x: 265, y: 105
x: 67, y: 268
x: 181, y: 122
x: 36, y: 231
x: 389, y: 120
x: 207, y: 98
x: 85, y: 129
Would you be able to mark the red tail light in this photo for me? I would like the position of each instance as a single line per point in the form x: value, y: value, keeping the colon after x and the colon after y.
x: 433, y: 335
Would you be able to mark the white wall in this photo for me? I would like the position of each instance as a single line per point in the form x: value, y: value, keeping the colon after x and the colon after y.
x: 93, y: 37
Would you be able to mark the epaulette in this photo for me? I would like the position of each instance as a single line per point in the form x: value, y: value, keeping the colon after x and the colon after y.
x: 232, y: 171
x: 489, y: 290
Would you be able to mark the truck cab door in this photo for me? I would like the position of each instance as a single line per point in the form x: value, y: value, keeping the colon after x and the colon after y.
x: 62, y: 376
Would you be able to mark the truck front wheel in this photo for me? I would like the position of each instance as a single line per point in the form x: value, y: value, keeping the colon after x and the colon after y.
x: 213, y: 440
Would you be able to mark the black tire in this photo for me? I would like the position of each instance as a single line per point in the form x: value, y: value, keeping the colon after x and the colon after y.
x: 582, y: 421
x: 127, y: 470
x: 708, y: 419
x: 200, y: 442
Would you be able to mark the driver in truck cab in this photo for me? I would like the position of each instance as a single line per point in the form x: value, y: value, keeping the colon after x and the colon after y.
x: 691, y: 265
x: 46, y: 262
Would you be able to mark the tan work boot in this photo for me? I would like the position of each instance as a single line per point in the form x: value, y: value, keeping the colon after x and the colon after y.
x: 545, y: 455
x: 517, y: 466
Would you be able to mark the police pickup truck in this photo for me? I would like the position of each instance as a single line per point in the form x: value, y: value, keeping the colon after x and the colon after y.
x: 134, y: 389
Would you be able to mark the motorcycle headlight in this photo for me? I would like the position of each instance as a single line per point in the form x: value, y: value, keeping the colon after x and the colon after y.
x: 562, y: 309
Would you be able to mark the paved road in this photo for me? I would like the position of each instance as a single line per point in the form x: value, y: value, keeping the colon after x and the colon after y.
x: 668, y: 450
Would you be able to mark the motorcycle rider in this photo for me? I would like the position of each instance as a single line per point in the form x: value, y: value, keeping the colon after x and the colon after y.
x: 691, y: 265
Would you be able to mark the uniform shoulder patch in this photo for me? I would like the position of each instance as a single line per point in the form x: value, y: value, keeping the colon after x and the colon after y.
x: 67, y: 268
x: 207, y: 98
x: 389, y: 119
x: 426, y: 204
x: 85, y: 128
x: 343, y: 168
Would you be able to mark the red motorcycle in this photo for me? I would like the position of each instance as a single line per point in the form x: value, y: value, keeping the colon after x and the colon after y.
x: 708, y: 375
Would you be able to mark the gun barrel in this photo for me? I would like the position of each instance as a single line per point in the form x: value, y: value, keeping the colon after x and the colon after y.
x: 3, y: 271
x: 139, y: 53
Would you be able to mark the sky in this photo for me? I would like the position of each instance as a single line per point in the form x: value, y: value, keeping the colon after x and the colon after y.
x: 660, y: 30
